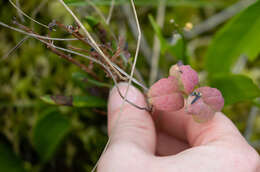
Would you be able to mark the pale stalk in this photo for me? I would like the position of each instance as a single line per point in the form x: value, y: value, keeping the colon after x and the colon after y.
x: 95, y: 46
x: 157, y: 46
x: 110, y: 12
x: 20, y: 11
x: 129, y: 83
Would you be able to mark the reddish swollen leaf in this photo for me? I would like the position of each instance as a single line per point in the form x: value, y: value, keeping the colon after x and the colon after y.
x: 186, y: 76
x: 204, y: 102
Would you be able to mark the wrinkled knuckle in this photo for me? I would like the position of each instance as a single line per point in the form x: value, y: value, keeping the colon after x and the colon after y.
x: 140, y: 125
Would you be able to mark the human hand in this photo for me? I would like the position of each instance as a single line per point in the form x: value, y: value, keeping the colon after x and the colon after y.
x: 169, y: 142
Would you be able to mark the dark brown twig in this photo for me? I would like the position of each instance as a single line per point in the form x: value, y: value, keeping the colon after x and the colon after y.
x: 83, y: 67
x: 59, y: 53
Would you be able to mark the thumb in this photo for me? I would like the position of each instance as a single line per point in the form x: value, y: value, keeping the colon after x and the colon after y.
x: 128, y: 124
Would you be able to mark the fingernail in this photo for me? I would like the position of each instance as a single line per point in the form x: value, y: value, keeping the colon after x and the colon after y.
x: 116, y: 101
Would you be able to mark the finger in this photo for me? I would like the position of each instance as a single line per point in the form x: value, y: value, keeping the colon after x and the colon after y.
x: 220, y: 128
x: 168, y: 145
x: 217, y: 139
x: 181, y: 125
x: 128, y: 124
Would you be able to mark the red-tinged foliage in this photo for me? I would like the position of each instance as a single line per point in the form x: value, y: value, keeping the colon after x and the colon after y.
x: 186, y: 76
x: 207, y: 102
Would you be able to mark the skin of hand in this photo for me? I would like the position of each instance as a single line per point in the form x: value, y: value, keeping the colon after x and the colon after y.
x: 171, y: 142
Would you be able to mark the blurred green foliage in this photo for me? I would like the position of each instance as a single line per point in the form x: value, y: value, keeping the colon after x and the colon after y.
x: 35, y: 136
x: 241, y: 34
x: 48, y: 132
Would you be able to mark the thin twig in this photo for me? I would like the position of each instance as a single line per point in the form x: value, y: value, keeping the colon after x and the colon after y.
x: 78, y: 36
x: 137, y: 47
x: 20, y: 11
x: 156, y: 45
x: 129, y: 83
x: 219, y: 18
x: 125, y: 100
x: 100, y: 63
x: 145, y: 48
x: 111, y: 9
x: 126, y: 59
x: 121, y: 95
x: 96, y: 9
x: 59, y: 53
x: 74, y: 33
x: 15, y: 47
x: 54, y: 48
x: 38, y: 9
x: 95, y: 46
x: 38, y: 37
x: 136, y: 53
x: 78, y: 49
x: 115, y: 69
x: 74, y: 61
x: 60, y: 39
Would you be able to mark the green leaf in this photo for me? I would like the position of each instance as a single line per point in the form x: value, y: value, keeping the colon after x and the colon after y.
x: 9, y: 161
x: 256, y: 102
x: 82, y: 77
x: 89, y: 101
x: 239, y: 37
x: 158, y: 32
x: 92, y: 21
x: 75, y: 101
x: 176, y: 49
x: 236, y: 88
x: 48, y: 133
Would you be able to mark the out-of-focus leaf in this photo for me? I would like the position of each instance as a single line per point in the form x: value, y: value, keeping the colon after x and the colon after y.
x: 48, y: 133
x: 236, y: 88
x: 92, y: 21
x: 58, y: 100
x: 256, y: 102
x: 9, y: 161
x: 157, y: 29
x: 86, y: 79
x: 239, y: 37
x: 175, y: 49
x: 193, y: 3
x: 75, y: 101
x: 89, y: 101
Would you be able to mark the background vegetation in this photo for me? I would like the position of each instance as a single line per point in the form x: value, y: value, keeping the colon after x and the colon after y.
x: 36, y: 136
